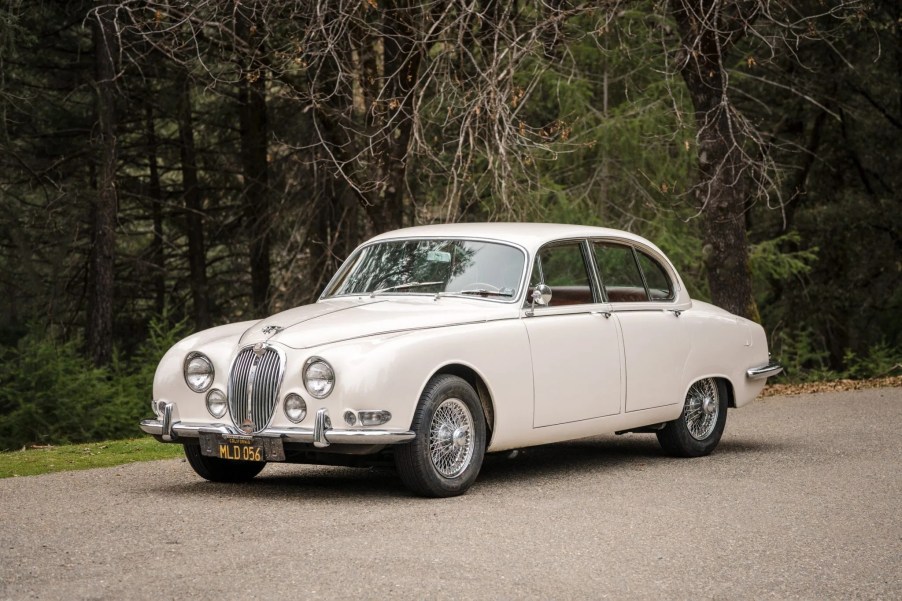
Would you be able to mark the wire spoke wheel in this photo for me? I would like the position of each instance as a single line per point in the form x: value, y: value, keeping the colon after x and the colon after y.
x: 697, y: 430
x: 702, y: 409
x: 450, y: 438
x: 445, y: 457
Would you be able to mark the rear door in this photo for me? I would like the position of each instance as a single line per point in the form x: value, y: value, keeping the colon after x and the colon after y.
x: 655, y: 345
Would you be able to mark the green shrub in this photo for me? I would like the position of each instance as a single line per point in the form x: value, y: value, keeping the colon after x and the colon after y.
x: 51, y: 393
x: 803, y: 357
x: 880, y: 360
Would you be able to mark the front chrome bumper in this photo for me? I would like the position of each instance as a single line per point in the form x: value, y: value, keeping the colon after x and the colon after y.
x: 772, y: 368
x: 170, y: 429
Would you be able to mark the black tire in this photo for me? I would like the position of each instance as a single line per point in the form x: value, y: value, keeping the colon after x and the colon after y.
x: 677, y: 437
x: 451, y: 468
x: 221, y: 470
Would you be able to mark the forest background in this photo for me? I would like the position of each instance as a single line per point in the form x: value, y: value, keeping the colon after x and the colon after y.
x: 168, y: 165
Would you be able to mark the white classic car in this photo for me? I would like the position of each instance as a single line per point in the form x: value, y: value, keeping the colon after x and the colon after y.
x: 434, y: 345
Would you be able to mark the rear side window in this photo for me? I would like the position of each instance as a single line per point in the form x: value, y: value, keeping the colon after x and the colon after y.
x: 619, y: 273
x: 659, y: 285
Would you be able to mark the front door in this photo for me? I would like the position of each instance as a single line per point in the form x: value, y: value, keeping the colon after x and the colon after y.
x: 574, y: 342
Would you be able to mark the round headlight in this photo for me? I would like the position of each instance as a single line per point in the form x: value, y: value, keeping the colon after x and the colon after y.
x: 216, y: 403
x: 198, y: 372
x: 295, y: 408
x: 319, y: 378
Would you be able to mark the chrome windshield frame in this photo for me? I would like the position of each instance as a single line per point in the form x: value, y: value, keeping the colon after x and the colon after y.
x: 352, y: 259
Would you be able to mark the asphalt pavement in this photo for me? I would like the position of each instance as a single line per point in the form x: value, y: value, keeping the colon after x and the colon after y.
x: 800, y: 501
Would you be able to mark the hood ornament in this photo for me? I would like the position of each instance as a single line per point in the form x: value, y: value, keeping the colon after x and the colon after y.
x: 272, y: 330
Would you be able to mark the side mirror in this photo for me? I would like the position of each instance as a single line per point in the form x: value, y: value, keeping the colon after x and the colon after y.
x: 541, y: 296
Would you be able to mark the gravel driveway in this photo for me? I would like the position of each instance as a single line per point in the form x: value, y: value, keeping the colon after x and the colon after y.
x: 800, y: 501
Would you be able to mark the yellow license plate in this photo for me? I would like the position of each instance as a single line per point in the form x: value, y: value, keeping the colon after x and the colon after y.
x: 239, y: 448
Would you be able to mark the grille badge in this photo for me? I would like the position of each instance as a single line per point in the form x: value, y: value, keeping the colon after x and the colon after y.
x: 259, y: 349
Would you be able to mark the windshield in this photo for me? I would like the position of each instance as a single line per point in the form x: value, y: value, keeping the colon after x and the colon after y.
x: 464, y: 267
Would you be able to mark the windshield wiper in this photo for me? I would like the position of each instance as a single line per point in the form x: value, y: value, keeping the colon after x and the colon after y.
x: 484, y: 292
x: 403, y: 286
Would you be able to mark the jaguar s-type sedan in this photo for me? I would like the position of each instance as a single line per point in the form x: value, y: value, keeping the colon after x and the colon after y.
x: 434, y: 345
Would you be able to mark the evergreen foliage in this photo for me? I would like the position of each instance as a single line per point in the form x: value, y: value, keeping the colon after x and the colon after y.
x: 376, y: 115
x: 50, y: 392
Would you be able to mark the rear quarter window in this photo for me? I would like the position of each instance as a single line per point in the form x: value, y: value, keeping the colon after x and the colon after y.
x: 660, y: 288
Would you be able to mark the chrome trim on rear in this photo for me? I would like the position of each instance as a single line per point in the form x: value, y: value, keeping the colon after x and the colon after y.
x: 772, y: 368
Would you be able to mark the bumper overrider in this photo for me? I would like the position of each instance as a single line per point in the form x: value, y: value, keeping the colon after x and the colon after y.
x: 169, y: 429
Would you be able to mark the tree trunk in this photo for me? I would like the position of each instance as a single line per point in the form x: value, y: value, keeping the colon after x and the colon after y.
x: 102, y: 262
x: 254, y: 133
x: 194, y: 209
x: 722, y: 169
x: 402, y: 63
x: 157, y: 256
x: 387, y: 69
x: 336, y: 215
x: 332, y: 235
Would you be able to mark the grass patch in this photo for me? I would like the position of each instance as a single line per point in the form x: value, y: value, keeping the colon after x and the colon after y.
x: 45, y: 460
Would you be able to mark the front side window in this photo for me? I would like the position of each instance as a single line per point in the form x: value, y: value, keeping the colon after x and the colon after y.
x: 462, y: 267
x: 563, y: 268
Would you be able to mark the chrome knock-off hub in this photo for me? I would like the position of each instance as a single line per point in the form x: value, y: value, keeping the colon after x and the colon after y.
x: 460, y: 437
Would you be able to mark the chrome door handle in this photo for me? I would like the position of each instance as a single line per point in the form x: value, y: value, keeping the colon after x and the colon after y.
x: 607, y: 314
x: 676, y: 312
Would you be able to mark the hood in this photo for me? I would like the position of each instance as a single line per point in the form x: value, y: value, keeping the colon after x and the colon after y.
x: 343, y: 319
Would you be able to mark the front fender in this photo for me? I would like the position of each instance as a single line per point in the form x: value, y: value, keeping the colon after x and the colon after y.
x: 391, y: 371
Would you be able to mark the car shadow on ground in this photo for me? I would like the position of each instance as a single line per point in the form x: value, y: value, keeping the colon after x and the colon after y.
x: 321, y: 483
x: 610, y: 454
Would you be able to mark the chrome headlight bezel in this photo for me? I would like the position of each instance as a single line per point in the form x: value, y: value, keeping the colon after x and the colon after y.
x: 195, y: 358
x: 322, y: 391
x: 303, y: 409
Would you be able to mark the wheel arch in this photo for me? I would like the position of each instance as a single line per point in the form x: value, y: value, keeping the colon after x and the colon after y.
x: 718, y: 377
x: 731, y: 393
x: 474, y: 379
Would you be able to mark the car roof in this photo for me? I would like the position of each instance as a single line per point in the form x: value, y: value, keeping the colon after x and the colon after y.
x: 528, y: 235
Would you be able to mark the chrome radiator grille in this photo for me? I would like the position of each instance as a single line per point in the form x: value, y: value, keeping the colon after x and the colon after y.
x: 254, y: 387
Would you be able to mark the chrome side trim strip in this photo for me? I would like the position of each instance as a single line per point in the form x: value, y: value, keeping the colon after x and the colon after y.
x: 764, y: 371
